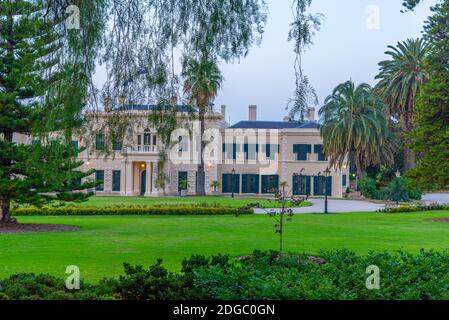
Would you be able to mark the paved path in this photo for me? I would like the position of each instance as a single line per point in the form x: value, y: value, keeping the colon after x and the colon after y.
x: 335, y: 206
x: 436, y: 197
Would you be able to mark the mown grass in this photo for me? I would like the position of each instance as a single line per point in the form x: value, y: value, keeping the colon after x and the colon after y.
x: 103, y: 243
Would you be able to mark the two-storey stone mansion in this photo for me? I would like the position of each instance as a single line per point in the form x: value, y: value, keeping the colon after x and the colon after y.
x: 249, y: 158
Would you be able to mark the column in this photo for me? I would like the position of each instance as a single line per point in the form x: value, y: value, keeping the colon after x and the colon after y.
x: 148, y: 178
x: 154, y: 173
x: 129, y: 178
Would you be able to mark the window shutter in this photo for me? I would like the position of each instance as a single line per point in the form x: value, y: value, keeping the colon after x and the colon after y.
x: 237, y: 183
x: 295, y: 185
x: 329, y: 186
x: 245, y: 183
x: 264, y: 184
x: 308, y: 183
x: 315, y: 186
x: 276, y: 183
x: 99, y: 177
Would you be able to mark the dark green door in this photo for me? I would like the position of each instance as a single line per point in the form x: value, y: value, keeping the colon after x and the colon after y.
x: 143, y: 183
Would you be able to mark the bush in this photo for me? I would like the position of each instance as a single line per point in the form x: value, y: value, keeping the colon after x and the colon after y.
x: 119, y: 211
x: 334, y: 275
x: 369, y: 189
x: 28, y: 286
x: 402, y: 209
x: 398, y: 190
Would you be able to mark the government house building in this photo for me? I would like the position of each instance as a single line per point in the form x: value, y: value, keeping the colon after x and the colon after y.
x: 249, y: 158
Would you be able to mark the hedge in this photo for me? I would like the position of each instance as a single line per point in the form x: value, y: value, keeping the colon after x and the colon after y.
x: 402, y: 209
x: 332, y: 275
x: 121, y: 211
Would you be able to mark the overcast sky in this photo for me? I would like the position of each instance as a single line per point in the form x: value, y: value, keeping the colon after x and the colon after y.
x: 344, y: 48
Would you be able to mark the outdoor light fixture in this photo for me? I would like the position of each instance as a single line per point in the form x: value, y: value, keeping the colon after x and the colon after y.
x: 88, y: 163
x: 142, y: 165
x: 327, y: 173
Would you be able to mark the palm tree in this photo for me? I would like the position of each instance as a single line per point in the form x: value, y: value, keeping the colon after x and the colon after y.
x: 353, y: 124
x: 202, y: 80
x: 400, y: 80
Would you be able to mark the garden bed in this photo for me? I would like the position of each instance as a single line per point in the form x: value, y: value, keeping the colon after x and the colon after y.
x: 12, y: 228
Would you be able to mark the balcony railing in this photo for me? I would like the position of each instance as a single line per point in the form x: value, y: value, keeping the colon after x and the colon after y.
x: 142, y: 149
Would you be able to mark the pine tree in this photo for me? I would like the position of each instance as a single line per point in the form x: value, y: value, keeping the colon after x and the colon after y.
x: 431, y: 135
x: 32, y: 106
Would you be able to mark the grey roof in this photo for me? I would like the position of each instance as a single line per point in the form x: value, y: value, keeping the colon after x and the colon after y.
x: 151, y: 107
x: 275, y: 125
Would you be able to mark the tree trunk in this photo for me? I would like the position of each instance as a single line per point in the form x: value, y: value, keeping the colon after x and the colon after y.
x: 409, y: 156
x: 200, y: 184
x: 5, y: 214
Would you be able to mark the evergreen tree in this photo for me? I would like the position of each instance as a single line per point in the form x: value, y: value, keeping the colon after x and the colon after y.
x: 33, y: 92
x: 431, y: 135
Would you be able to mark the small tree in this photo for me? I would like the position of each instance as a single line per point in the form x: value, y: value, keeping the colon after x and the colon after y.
x: 287, y: 201
x: 397, y: 191
x: 215, y: 184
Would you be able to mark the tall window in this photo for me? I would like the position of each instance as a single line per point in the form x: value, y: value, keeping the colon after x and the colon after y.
x: 301, y: 151
x: 318, y: 149
x: 226, y: 183
x: 75, y: 145
x: 147, y: 138
x: 250, y: 183
x: 182, y: 180
x: 116, y: 180
x: 117, y: 145
x: 154, y: 140
x: 99, y: 177
x: 270, y: 184
x: 344, y: 180
x: 270, y: 151
x: 301, y: 185
x: 99, y: 142
x: 230, y: 150
x: 250, y: 151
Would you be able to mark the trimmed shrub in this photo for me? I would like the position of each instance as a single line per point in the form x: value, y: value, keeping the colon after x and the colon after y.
x: 402, y: 209
x: 120, y: 211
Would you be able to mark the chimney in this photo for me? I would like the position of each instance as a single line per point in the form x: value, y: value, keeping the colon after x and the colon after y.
x: 252, y: 113
x: 311, y: 114
x: 223, y: 111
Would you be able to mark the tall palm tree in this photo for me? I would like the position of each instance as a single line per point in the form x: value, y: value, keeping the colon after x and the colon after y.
x: 400, y: 80
x: 353, y: 124
x: 202, y: 80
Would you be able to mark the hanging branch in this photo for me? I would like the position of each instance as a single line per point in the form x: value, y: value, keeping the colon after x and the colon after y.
x: 302, y: 29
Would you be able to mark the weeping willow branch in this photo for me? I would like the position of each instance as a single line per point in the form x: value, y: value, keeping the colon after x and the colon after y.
x: 302, y: 29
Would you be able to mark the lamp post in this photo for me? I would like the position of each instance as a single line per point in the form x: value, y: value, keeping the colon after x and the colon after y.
x: 327, y: 173
x: 233, y: 181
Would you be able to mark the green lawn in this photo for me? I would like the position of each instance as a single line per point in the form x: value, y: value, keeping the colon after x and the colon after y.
x: 103, y: 243
x: 188, y: 201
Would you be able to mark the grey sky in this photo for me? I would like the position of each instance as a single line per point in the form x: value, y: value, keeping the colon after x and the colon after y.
x: 344, y: 48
